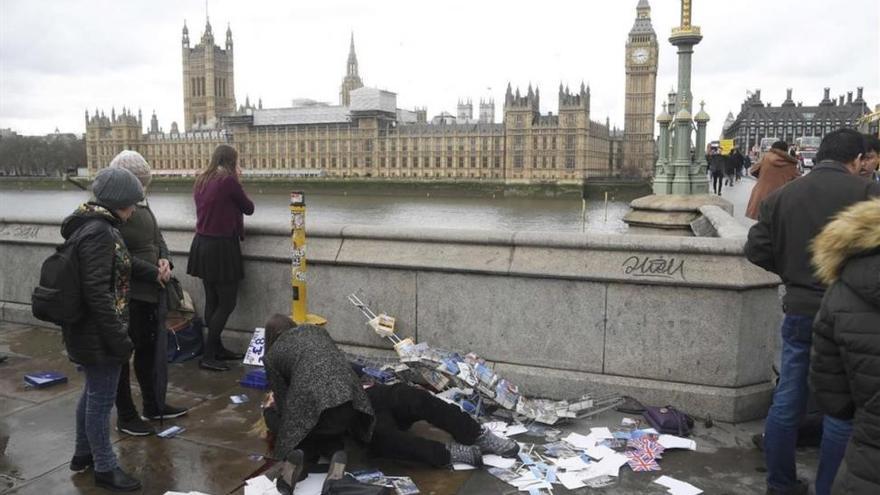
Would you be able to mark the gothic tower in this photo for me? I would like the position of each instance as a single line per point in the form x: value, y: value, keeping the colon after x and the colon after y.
x: 351, y: 80
x: 641, y: 89
x: 208, y: 80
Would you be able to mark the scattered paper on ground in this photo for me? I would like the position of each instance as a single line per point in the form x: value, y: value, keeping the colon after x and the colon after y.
x: 580, y: 441
x: 515, y: 430
x: 572, y: 464
x: 677, y: 487
x: 498, y: 461
x: 601, y: 433
x: 674, y: 442
x: 460, y: 466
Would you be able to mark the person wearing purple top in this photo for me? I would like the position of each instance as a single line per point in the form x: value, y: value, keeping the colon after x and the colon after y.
x: 215, y: 253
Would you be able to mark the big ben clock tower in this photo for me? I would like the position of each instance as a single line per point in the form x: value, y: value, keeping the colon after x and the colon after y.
x: 641, y: 89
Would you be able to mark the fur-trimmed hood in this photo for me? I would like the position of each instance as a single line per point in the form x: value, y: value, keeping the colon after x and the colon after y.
x: 853, y: 232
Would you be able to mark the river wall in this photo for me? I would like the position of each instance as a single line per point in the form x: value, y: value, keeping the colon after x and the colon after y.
x: 595, y: 189
x: 686, y: 321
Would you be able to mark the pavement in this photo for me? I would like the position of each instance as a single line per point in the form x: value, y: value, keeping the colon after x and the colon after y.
x: 213, y: 454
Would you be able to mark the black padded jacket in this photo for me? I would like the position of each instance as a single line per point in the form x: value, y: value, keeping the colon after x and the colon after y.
x: 845, y: 361
x: 105, y: 270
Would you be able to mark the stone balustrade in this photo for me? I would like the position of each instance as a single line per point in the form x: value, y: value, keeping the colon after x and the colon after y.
x: 669, y: 320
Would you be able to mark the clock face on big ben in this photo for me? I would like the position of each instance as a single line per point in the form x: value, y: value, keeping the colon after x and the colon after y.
x: 640, y: 56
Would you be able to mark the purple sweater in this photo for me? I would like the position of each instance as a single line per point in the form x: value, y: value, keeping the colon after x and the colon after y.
x: 219, y: 207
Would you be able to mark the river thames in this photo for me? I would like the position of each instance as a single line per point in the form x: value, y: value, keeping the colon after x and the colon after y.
x: 475, y: 213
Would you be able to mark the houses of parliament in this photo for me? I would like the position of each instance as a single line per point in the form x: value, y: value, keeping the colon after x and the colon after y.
x: 367, y: 135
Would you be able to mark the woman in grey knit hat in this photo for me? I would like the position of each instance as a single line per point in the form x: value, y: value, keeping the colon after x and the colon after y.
x: 99, y: 342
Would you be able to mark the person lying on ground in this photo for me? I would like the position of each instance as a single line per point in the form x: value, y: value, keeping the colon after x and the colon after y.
x: 304, y: 368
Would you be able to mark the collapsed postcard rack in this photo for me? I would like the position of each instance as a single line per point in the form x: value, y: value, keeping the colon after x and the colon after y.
x: 468, y: 380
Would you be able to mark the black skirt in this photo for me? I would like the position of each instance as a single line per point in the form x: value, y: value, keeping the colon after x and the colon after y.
x: 215, y: 259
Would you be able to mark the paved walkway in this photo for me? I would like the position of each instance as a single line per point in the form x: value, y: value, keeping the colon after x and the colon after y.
x: 212, y: 456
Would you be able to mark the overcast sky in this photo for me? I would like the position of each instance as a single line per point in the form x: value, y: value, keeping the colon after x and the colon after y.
x: 59, y: 58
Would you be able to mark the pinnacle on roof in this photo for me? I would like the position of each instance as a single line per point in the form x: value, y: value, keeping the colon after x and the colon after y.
x: 352, y: 57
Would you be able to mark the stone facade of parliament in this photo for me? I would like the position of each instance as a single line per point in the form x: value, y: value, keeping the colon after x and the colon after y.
x: 366, y: 135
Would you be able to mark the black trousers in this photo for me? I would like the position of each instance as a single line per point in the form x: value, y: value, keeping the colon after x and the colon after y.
x: 398, y: 406
x: 220, y: 299
x: 142, y: 327
x: 717, y: 183
x: 326, y: 437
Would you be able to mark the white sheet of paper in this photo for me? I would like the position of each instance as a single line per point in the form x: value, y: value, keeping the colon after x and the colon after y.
x: 311, y: 485
x: 580, y: 441
x: 674, y: 442
x: 677, y: 487
x: 609, y: 465
x: 495, y: 426
x: 571, y: 481
x: 601, y: 433
x: 515, y: 430
x: 498, y: 461
x: 254, y: 355
x: 528, y: 479
x: 260, y: 485
x: 572, y: 463
x: 598, y: 451
x: 460, y: 466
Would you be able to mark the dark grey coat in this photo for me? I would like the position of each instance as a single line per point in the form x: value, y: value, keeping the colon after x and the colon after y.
x: 308, y: 374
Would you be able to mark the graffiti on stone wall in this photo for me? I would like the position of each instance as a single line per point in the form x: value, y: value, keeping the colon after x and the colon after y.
x: 654, y: 267
x: 20, y: 231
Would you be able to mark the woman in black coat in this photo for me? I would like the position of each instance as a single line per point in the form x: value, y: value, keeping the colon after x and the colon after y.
x: 845, y: 361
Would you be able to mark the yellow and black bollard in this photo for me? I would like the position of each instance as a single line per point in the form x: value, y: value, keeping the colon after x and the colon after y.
x: 298, y: 306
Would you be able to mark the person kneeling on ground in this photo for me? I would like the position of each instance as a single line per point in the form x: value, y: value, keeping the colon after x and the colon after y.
x: 845, y: 363
x: 317, y: 400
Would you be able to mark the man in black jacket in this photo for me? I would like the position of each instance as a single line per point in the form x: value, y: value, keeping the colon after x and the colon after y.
x: 99, y: 342
x: 787, y: 222
x: 717, y: 164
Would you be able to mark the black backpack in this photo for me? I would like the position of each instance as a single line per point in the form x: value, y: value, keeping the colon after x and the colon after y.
x: 57, y: 299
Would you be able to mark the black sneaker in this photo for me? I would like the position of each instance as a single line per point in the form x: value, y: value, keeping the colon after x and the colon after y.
x: 168, y: 412
x: 81, y: 463
x: 490, y: 443
x: 801, y: 487
x: 467, y: 454
x: 290, y: 472
x: 135, y: 427
x: 212, y: 365
x: 116, y: 481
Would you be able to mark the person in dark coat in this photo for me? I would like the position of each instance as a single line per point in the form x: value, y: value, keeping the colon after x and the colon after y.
x: 788, y: 220
x: 730, y: 165
x: 99, y: 342
x: 215, y: 253
x: 845, y: 362
x: 717, y: 163
x: 146, y: 244
x: 316, y: 394
x: 303, y: 363
x: 738, y: 161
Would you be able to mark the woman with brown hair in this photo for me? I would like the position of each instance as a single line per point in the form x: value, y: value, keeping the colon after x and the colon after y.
x: 215, y: 253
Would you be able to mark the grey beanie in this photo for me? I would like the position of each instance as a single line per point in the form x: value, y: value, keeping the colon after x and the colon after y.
x: 135, y: 163
x: 117, y: 188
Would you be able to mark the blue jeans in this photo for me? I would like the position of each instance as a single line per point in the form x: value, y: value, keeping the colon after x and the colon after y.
x: 93, y: 415
x: 787, y: 411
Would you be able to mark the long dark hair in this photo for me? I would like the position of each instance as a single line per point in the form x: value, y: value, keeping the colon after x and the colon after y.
x: 277, y: 325
x: 223, y: 163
